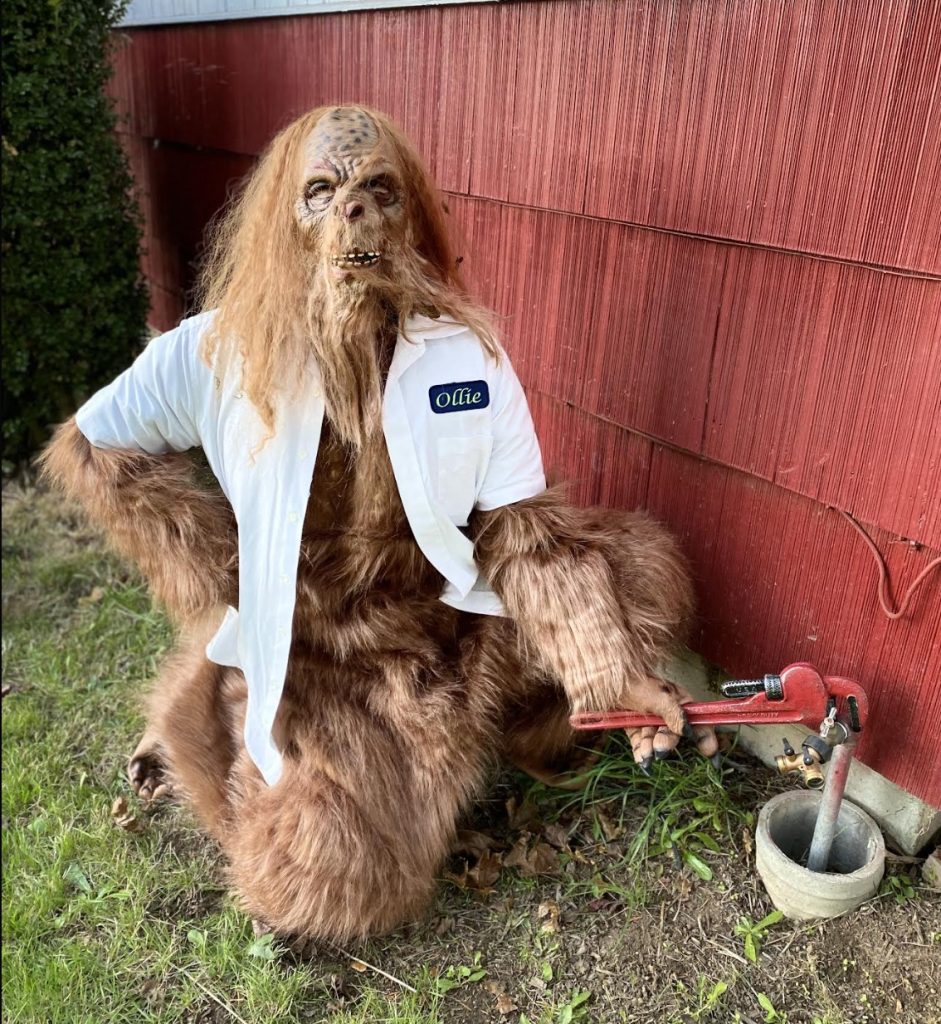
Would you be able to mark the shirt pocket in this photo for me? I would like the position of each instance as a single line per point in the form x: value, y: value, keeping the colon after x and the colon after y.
x: 462, y: 464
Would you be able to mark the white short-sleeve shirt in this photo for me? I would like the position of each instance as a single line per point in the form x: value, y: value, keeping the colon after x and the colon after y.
x: 459, y: 435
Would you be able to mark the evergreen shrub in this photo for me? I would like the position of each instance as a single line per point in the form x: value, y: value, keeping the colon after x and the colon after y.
x: 74, y: 303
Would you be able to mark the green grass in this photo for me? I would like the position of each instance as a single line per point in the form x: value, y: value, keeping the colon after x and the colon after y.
x: 101, y: 924
x: 687, y: 810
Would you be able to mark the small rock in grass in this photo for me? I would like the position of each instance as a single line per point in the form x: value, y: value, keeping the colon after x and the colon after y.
x: 931, y: 869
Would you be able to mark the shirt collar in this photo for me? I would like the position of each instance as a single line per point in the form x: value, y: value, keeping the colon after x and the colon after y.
x: 423, y: 326
x: 410, y: 344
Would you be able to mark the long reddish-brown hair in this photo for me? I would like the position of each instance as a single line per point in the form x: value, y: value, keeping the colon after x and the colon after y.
x: 255, y: 278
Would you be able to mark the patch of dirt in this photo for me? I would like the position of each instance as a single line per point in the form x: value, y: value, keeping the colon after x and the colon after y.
x: 655, y: 943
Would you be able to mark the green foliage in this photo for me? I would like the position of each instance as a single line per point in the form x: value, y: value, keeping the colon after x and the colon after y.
x: 458, y: 975
x: 574, y: 1008
x: 900, y: 887
x: 753, y: 932
x: 772, y: 1016
x: 690, y: 814
x: 74, y: 310
x: 707, y: 1000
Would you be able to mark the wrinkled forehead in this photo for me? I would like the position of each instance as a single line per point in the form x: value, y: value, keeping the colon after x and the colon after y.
x: 343, y: 138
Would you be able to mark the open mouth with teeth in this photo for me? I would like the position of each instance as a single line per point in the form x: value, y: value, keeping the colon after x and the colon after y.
x: 355, y: 259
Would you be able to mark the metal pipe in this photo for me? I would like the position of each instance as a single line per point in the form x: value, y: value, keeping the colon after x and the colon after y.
x: 830, y: 801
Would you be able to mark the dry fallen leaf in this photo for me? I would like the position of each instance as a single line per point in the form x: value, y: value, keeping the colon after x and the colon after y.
x: 541, y: 859
x: 518, y: 854
x: 473, y: 843
x: 124, y: 818
x: 359, y: 966
x: 459, y: 880
x: 748, y: 843
x: 486, y: 871
x: 97, y: 593
x: 7, y: 688
x: 481, y: 875
x: 544, y: 860
x: 549, y: 913
x: 521, y: 815
x: 504, y: 1003
x: 609, y: 829
x: 556, y: 834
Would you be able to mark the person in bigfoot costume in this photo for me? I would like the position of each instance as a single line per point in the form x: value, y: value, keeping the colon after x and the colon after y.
x: 402, y: 601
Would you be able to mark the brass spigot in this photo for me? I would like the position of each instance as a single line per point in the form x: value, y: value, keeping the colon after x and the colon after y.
x: 813, y: 753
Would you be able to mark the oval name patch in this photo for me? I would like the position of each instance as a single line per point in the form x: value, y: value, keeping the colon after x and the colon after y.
x: 470, y: 394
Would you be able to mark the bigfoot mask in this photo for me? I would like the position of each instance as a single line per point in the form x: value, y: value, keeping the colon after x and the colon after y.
x: 352, y: 208
x: 339, y: 236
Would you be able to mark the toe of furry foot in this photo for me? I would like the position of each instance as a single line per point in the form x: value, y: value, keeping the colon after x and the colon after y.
x: 145, y: 772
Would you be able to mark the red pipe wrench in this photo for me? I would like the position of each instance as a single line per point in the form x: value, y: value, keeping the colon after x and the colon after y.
x: 798, y: 694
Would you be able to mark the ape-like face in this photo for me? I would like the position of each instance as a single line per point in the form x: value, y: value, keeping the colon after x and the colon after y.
x: 351, y: 206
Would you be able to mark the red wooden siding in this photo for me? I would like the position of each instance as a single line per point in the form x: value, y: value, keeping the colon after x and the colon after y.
x: 712, y: 233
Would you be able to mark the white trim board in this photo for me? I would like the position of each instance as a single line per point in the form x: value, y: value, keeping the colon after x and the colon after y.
x: 171, y: 12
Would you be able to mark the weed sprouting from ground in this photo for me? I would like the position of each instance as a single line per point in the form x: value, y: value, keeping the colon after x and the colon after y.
x: 686, y: 807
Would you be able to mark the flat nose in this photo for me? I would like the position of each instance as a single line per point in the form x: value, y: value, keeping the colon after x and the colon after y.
x: 353, y: 210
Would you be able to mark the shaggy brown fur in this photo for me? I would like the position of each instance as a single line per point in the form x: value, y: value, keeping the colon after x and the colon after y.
x: 394, y: 703
x: 182, y: 536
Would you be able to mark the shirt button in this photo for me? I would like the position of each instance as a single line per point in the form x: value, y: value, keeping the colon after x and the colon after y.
x: 302, y: 454
x: 284, y: 577
x: 293, y: 517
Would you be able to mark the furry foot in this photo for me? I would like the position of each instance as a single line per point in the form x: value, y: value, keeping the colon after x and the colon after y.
x: 146, y: 773
x: 571, y: 772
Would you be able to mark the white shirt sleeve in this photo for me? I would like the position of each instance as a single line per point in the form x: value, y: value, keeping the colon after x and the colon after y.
x: 150, y: 406
x: 515, y: 469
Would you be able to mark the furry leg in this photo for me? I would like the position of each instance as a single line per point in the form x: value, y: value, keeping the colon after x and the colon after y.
x: 377, y: 768
x: 190, y: 742
x: 181, y: 536
x: 538, y: 739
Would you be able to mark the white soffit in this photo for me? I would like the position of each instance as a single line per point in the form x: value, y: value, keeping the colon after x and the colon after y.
x: 171, y: 12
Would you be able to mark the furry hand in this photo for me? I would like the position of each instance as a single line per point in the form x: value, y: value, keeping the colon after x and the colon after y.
x: 649, y: 742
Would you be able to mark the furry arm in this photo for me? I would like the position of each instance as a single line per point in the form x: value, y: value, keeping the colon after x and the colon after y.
x: 598, y: 598
x: 183, y: 537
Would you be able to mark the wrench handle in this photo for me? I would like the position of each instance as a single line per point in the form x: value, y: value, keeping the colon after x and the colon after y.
x: 757, y: 711
x: 801, y: 698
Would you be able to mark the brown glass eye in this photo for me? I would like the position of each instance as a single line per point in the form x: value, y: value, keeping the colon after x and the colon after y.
x: 382, y: 189
x: 317, y: 189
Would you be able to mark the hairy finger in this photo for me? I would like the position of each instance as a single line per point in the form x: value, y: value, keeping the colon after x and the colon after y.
x: 705, y: 738
x: 642, y: 745
x: 664, y: 742
x: 670, y: 710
